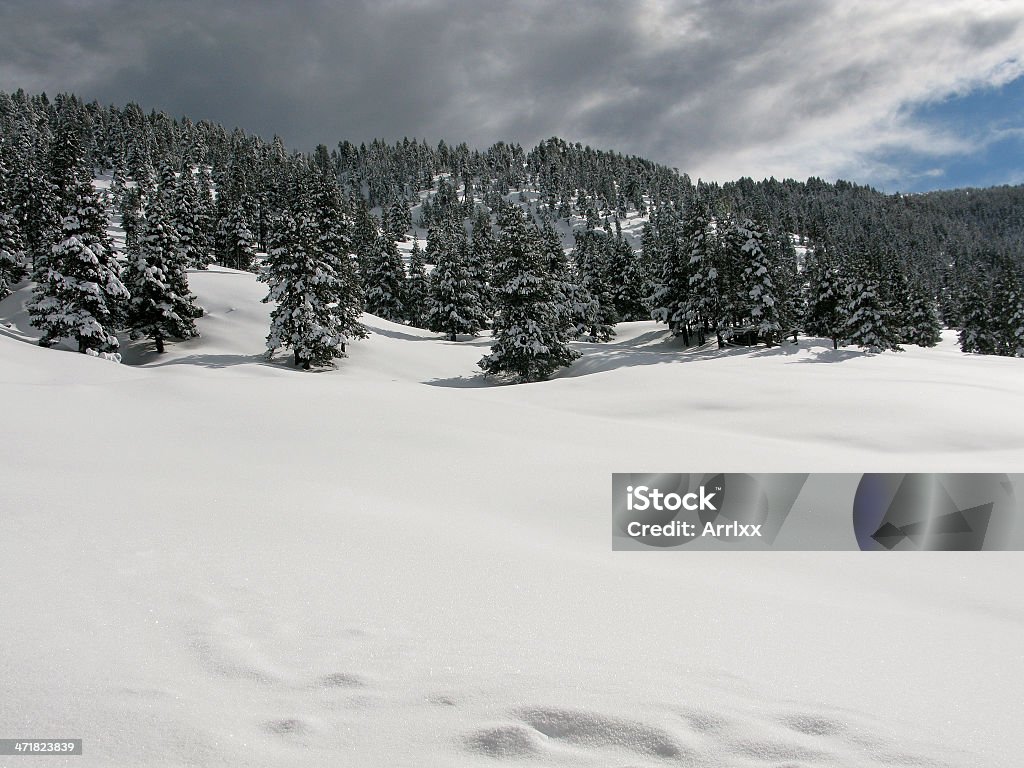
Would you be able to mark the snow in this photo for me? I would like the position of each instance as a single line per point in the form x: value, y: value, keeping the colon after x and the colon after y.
x: 214, y: 559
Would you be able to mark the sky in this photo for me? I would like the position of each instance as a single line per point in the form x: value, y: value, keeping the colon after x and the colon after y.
x: 905, y: 96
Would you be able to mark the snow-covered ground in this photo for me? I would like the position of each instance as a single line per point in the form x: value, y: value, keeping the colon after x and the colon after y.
x: 209, y: 558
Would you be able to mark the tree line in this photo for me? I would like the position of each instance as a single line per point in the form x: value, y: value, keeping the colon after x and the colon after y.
x: 743, y: 262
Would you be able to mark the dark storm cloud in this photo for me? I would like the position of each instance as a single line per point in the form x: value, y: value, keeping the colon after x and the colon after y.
x: 715, y: 88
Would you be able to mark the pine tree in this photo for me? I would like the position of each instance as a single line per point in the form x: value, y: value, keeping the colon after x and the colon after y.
x: 670, y: 292
x: 131, y: 217
x: 870, y: 322
x: 951, y: 296
x: 335, y: 250
x: 454, y: 300
x: 923, y: 328
x: 758, y: 288
x: 13, y: 262
x: 188, y: 221
x: 37, y: 208
x: 593, y: 257
x: 480, y: 261
x: 206, y: 210
x: 66, y: 167
x: 384, y: 281
x: 12, y: 253
x: 239, y: 251
x: 579, y: 310
x: 1007, y: 311
x: 79, y: 293
x: 827, y: 302
x: 707, y: 300
x: 1015, y: 328
x: 977, y: 326
x: 398, y: 219
x: 364, y: 237
x: 630, y: 284
x: 161, y: 305
x: 417, y: 288
x: 789, y: 285
x: 896, y: 294
x: 305, y: 284
x: 531, y: 337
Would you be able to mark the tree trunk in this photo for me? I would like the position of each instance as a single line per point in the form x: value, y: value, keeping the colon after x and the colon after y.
x: 451, y: 336
x: 159, y: 339
x: 835, y: 343
x: 295, y: 357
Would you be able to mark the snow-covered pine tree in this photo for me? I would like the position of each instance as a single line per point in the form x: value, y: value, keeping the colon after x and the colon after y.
x: 977, y: 327
x: 417, y: 288
x: 531, y: 337
x: 1014, y: 328
x: 707, y: 300
x: 13, y: 262
x: 454, y: 305
x: 870, y: 321
x: 161, y: 306
x: 12, y: 253
x: 923, y: 328
x: 35, y: 204
x: 66, y: 167
x: 1007, y: 311
x: 593, y: 259
x: 166, y: 187
x: 789, y: 284
x: 759, y: 294
x: 480, y: 261
x: 239, y: 242
x: 79, y: 294
x: 827, y: 301
x: 579, y: 309
x: 305, y: 286
x: 188, y: 221
x: 398, y: 219
x: 630, y: 285
x: 671, y: 289
x: 950, y: 295
x: 206, y: 212
x: 335, y: 249
x: 897, y: 296
x: 131, y: 217
x: 365, y: 233
x: 384, y: 280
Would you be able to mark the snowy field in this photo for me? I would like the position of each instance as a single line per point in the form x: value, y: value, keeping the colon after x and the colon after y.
x: 212, y: 559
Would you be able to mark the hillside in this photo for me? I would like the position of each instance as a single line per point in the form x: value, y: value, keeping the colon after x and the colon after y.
x: 221, y: 560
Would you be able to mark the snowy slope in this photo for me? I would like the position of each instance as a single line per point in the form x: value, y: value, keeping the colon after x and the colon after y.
x: 214, y: 559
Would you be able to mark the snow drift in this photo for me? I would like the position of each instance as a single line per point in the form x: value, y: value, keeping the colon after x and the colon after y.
x: 213, y: 559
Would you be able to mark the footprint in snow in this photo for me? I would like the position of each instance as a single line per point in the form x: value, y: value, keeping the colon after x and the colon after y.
x: 341, y: 680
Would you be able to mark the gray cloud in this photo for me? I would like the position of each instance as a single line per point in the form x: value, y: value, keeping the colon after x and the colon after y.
x: 718, y: 89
